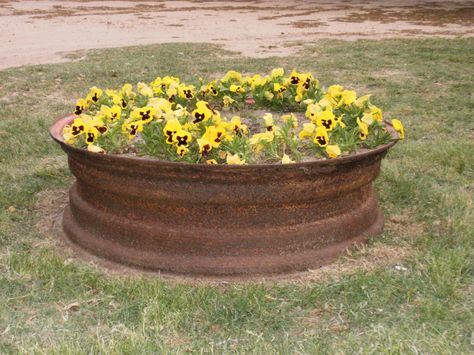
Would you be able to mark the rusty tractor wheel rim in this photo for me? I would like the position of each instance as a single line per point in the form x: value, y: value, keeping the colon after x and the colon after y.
x: 219, y: 220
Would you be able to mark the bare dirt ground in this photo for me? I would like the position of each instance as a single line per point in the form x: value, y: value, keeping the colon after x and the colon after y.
x: 35, y: 32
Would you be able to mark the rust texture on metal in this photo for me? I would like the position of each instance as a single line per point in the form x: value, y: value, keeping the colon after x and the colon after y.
x: 220, y: 220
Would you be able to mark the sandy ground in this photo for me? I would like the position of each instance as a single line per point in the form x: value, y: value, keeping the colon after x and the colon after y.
x: 34, y: 32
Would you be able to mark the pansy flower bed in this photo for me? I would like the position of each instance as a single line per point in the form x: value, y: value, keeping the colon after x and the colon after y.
x: 237, y: 119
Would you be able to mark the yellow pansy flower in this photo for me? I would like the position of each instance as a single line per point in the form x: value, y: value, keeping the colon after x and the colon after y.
x: 269, y: 122
x: 236, y: 126
x: 326, y: 119
x: 348, y: 97
x: 312, y: 111
x: 363, y: 129
x: 215, y: 135
x: 115, y: 113
x: 376, y: 113
x: 333, y: 151
x: 132, y: 128
x: 94, y: 95
x: 211, y: 162
x: 186, y: 92
x: 182, y: 138
x: 227, y: 101
x: 181, y: 150
x: 307, y: 131
x: 232, y: 75
x: 367, y: 118
x: 91, y: 134
x: 81, y: 105
x: 144, y: 114
x: 160, y: 104
x: 205, y: 146
x: 294, y: 77
x: 170, y: 81
x: 278, y: 88
x: 171, y: 127
x: 145, y: 90
x: 277, y: 72
x: 234, y: 159
x: 237, y: 88
x: 321, y: 137
x: 202, y: 113
x: 398, y: 126
x: 286, y: 159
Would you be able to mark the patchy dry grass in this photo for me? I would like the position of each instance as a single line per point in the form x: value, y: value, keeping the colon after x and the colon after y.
x: 408, y: 291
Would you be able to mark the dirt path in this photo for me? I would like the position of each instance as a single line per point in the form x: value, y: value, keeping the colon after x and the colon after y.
x: 33, y: 32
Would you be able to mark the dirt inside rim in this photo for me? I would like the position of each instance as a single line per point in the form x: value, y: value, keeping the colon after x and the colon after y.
x: 46, y: 31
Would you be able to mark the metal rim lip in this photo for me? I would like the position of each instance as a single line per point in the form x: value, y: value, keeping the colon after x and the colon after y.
x: 56, y: 128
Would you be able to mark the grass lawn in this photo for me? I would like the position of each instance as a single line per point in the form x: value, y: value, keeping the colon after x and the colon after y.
x: 423, y: 304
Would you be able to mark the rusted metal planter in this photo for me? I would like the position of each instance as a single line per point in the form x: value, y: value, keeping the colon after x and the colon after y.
x: 219, y: 220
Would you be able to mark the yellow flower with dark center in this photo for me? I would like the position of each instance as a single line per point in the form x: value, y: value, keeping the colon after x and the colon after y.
x: 321, y: 137
x: 363, y: 130
x: 202, y: 113
x: 205, y: 146
x: 256, y: 81
x: 295, y: 78
x: 278, y: 88
x: 307, y: 131
x: 215, y: 135
x: 81, y: 105
x: 326, y: 119
x: 144, y: 114
x: 236, y: 126
x: 182, y: 138
x: 171, y: 93
x: 211, y: 162
x: 277, y: 72
x: 186, y: 92
x: 78, y: 127
x: 182, y: 150
x: 94, y: 95
x: 132, y: 128
x: 269, y: 122
x: 232, y: 75
x: 91, y: 134
x: 237, y: 88
x: 305, y: 80
x: 170, y: 81
x: 115, y: 113
x: 333, y: 151
x: 398, y: 126
x: 312, y: 111
x: 234, y: 159
x: 170, y: 129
